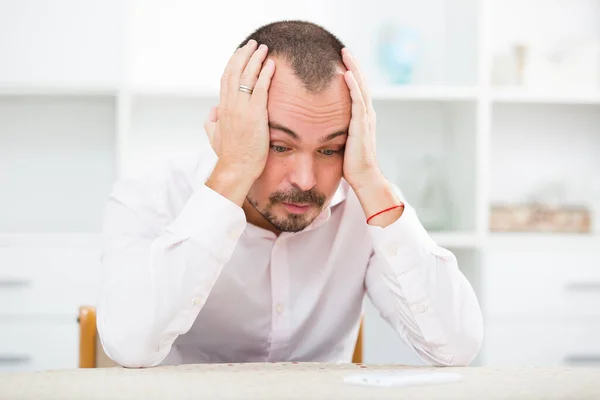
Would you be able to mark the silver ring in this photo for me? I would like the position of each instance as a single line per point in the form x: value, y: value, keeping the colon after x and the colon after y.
x: 246, y: 89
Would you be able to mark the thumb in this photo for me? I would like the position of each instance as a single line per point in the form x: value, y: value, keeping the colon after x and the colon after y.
x: 211, y: 123
x: 210, y: 127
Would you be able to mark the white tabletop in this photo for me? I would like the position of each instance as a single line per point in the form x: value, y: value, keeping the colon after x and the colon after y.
x: 296, y: 381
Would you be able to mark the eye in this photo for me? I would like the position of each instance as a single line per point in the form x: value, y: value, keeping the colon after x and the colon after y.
x: 329, y: 152
x: 279, y: 149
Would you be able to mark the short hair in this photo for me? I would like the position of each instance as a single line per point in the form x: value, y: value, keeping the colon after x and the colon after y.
x: 312, y: 51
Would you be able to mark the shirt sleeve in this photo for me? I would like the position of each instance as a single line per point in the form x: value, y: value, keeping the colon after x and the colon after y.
x: 156, y: 279
x: 418, y: 289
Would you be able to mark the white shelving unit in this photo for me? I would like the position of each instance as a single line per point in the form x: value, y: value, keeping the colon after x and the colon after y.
x: 93, y: 91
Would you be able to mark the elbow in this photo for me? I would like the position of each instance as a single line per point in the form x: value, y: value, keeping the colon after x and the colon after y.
x: 127, y: 346
x: 459, y: 352
x: 464, y: 348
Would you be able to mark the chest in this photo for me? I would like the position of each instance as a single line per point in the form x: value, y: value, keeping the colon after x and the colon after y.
x: 288, y: 289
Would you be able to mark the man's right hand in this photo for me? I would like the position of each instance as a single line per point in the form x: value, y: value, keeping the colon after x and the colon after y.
x: 238, y: 129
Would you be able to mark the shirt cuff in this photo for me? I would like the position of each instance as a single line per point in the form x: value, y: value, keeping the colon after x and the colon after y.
x: 405, y: 240
x: 208, y: 217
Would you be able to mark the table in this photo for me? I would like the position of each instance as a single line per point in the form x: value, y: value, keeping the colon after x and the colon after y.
x: 294, y: 381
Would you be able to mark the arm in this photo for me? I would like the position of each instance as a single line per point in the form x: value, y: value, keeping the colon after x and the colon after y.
x: 160, y: 264
x: 415, y: 284
x: 420, y: 291
x: 155, y: 280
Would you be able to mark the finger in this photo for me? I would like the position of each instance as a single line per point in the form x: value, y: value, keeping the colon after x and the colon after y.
x: 359, y: 110
x: 213, y: 114
x: 260, y: 94
x: 352, y: 65
x: 225, y: 78
x: 252, y: 70
x: 238, y: 63
x: 213, y: 117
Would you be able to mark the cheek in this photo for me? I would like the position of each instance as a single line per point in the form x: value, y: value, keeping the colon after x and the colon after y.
x: 270, y: 180
x: 329, y: 176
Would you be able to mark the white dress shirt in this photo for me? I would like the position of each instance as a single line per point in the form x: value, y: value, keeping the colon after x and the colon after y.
x: 186, y: 279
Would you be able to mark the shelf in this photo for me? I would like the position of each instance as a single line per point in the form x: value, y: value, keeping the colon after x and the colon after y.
x: 544, y: 241
x: 167, y: 91
x: 49, y: 239
x: 57, y: 90
x: 408, y: 93
x: 545, y: 97
x: 456, y: 240
x: 424, y: 93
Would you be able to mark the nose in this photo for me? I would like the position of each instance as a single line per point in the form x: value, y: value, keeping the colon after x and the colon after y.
x: 303, y: 173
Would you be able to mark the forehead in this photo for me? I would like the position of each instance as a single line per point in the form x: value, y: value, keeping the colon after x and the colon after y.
x: 308, y: 114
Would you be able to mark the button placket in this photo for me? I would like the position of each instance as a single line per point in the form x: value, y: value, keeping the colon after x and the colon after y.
x: 280, y: 299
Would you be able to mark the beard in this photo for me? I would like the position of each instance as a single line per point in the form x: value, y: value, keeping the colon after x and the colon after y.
x: 291, y: 222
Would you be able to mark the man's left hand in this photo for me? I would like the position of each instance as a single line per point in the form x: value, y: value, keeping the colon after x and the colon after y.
x: 361, y: 169
x: 360, y: 163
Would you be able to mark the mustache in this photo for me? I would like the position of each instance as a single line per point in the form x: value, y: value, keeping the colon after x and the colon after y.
x: 298, y: 196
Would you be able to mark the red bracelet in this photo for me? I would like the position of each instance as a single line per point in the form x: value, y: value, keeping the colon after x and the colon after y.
x: 382, y: 211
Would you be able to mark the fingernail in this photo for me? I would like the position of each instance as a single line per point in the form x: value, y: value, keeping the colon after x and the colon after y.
x: 262, y: 47
x: 251, y: 42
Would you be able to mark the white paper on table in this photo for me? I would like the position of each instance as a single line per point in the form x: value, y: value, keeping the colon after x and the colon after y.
x: 402, y: 378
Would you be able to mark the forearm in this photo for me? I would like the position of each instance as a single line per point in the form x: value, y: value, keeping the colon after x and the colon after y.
x: 153, y: 288
x: 423, y: 294
x: 232, y: 182
x: 442, y: 311
x: 378, y: 195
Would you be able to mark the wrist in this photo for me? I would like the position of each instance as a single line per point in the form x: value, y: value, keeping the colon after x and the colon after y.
x: 377, y: 196
x: 232, y: 181
x: 370, y: 181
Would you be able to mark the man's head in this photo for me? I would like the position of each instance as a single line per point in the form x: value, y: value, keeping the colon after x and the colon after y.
x: 309, y: 110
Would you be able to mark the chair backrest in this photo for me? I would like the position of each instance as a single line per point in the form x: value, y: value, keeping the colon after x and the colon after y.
x: 92, y: 355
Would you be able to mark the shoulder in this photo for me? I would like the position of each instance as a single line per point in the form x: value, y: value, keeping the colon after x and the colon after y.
x: 164, y: 188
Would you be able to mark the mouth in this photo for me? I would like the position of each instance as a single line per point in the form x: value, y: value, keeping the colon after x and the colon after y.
x: 296, y: 208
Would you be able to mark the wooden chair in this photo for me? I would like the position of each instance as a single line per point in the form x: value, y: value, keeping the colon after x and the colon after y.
x: 91, y: 354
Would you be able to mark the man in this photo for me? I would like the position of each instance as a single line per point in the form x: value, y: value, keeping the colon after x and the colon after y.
x: 263, y: 246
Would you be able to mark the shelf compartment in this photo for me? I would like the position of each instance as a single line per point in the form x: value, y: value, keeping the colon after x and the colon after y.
x: 409, y: 133
x: 56, y: 163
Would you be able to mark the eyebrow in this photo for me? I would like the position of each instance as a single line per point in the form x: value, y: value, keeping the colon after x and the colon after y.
x: 331, y: 136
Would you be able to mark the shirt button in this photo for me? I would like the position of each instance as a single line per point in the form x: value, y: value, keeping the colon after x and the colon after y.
x: 279, y: 309
x: 422, y: 308
x: 197, y: 301
x: 393, y: 249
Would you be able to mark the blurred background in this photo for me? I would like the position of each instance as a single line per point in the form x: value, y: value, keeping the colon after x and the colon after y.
x: 489, y: 121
